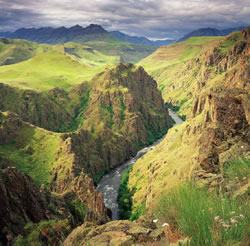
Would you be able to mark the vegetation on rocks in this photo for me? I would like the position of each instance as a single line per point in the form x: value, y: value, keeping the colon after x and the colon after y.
x: 48, y: 232
x: 215, y: 217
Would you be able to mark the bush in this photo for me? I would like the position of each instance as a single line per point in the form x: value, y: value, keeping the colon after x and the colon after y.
x: 77, y: 209
x: 97, y: 178
x: 49, y: 232
x: 125, y: 200
x: 124, y: 196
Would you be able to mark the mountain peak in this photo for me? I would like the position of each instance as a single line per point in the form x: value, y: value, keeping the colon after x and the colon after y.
x: 76, y: 27
x: 95, y: 27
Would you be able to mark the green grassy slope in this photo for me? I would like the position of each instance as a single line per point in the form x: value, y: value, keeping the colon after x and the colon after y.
x: 182, y: 149
x: 128, y: 52
x: 87, y: 55
x: 174, y: 68
x: 32, y: 149
x: 175, y: 53
x: 47, y: 70
x: 17, y: 50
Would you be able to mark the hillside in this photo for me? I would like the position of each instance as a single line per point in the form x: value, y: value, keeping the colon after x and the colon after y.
x: 72, y: 111
x: 170, y: 67
x: 203, y: 149
x: 209, y: 32
x: 14, y: 51
x: 93, y: 36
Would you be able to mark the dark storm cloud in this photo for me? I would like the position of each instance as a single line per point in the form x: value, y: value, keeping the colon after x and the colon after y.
x: 151, y: 18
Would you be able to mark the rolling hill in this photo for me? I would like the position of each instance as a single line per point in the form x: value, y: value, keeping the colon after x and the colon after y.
x: 209, y: 32
x: 93, y: 36
x: 170, y: 67
x: 14, y: 50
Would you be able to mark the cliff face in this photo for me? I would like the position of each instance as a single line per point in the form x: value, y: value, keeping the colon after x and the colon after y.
x: 55, y: 111
x: 30, y: 149
x: 124, y: 110
x: 22, y: 202
x: 217, y: 128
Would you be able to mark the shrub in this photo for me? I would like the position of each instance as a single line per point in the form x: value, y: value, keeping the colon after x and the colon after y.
x: 124, y: 196
x: 49, y: 232
x: 77, y: 209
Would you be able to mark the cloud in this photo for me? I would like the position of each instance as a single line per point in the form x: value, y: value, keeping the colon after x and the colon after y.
x: 151, y: 18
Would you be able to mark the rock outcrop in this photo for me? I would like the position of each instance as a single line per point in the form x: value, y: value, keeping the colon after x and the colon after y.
x: 54, y: 111
x: 124, y: 111
x: 115, y: 233
x: 22, y: 202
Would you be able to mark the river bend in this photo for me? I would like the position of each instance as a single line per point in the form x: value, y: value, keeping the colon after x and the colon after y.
x: 110, y: 182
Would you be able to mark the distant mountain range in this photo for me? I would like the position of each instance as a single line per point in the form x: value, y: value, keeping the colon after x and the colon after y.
x: 77, y: 34
x: 96, y: 33
x: 62, y: 34
x: 210, y: 32
x: 140, y: 40
x: 94, y: 36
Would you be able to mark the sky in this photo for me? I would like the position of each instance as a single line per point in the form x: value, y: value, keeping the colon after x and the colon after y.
x: 149, y: 18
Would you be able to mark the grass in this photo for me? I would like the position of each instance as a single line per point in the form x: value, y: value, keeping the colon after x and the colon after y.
x: 175, y: 73
x: 80, y: 115
x: 87, y: 55
x: 49, y: 232
x: 228, y: 43
x: 209, y: 218
x: 32, y: 152
x: 107, y: 114
x: 46, y: 71
x: 175, y: 53
x: 153, y: 135
x: 15, y: 50
x: 128, y: 52
x: 77, y: 209
x: 205, y: 217
x: 237, y: 170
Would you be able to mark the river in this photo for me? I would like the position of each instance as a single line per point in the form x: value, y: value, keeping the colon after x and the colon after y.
x: 110, y: 182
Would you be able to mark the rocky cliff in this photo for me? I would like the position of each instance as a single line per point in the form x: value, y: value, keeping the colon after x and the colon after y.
x: 125, y: 111
x: 22, y: 202
x: 109, y: 119
x: 216, y: 131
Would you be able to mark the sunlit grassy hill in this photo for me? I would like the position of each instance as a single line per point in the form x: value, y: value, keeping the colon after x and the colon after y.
x: 128, y: 52
x: 30, y: 149
x: 178, y: 67
x: 93, y: 36
x: 173, y: 69
x: 86, y: 55
x: 61, y: 66
x: 46, y: 71
x: 17, y: 50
